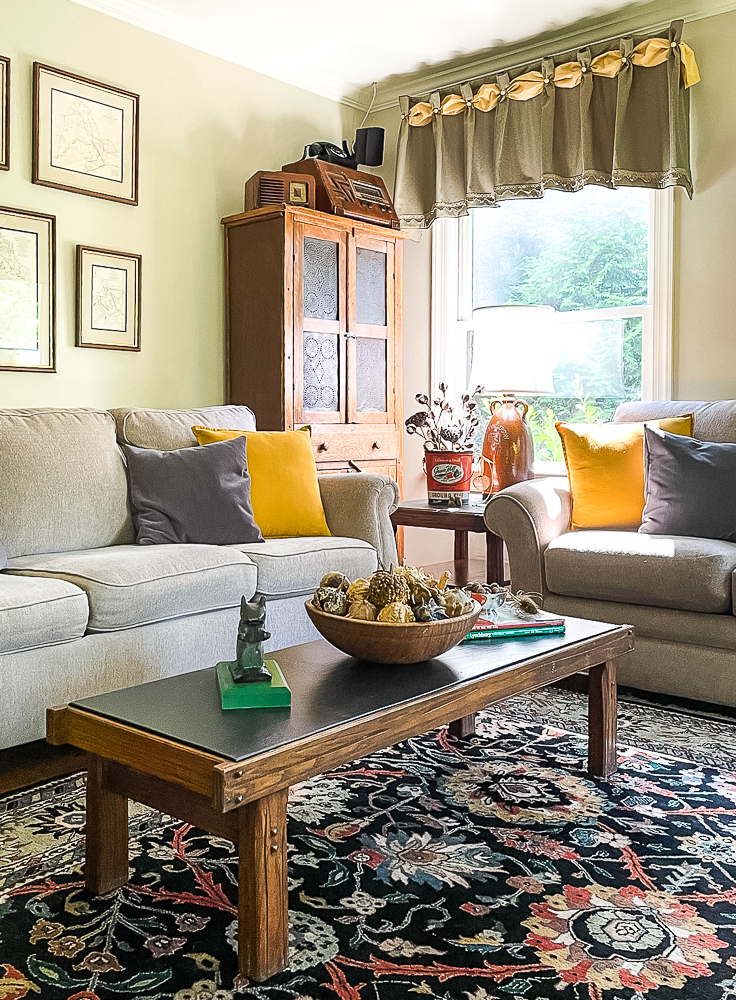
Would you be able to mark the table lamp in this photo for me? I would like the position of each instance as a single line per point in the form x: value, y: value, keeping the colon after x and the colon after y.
x: 511, y: 358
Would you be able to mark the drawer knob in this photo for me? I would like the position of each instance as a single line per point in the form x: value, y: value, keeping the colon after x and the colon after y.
x: 376, y: 445
x: 324, y: 446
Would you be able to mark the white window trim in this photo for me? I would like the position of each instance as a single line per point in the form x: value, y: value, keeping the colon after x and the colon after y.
x: 451, y: 316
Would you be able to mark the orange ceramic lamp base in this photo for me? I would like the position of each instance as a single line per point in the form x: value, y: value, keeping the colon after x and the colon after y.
x: 508, y: 448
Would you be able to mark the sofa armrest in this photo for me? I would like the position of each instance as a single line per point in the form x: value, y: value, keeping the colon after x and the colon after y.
x: 358, y: 505
x: 528, y: 516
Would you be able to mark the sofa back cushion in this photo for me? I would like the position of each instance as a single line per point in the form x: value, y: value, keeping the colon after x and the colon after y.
x: 714, y: 421
x: 168, y: 430
x: 62, y: 482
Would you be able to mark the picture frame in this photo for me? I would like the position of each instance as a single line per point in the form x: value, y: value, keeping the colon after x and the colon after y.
x: 4, y: 113
x: 85, y: 136
x: 108, y: 299
x: 27, y: 291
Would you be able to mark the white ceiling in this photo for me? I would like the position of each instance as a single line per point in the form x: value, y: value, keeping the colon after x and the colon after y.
x: 334, y: 47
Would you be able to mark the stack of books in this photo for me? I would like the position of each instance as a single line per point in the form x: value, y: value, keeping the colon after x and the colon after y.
x: 508, y: 621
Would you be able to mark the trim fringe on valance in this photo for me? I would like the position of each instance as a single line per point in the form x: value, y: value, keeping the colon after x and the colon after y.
x: 596, y: 121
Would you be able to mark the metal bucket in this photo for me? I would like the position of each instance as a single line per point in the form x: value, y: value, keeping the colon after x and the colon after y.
x: 448, y: 477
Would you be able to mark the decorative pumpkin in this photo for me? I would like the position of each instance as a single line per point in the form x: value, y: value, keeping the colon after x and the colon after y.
x: 397, y: 611
x: 363, y: 610
x: 358, y: 590
x: 387, y: 588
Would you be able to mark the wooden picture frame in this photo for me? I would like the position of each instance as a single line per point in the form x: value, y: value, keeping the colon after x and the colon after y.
x: 108, y: 299
x: 27, y: 291
x: 4, y: 113
x: 85, y: 136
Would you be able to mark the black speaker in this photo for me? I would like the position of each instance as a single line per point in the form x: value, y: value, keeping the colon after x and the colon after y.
x: 368, y: 148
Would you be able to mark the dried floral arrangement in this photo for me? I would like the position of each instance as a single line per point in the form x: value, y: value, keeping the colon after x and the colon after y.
x: 443, y: 427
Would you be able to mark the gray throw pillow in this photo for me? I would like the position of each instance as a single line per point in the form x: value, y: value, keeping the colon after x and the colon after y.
x: 689, y: 486
x: 3, y: 558
x: 197, y: 495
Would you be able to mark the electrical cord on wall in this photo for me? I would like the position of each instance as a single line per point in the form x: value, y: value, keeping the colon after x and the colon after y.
x: 373, y: 99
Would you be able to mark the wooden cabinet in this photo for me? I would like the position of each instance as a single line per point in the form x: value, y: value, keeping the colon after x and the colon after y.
x: 314, y: 332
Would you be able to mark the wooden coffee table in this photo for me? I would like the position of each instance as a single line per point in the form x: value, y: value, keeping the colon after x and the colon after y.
x: 169, y: 744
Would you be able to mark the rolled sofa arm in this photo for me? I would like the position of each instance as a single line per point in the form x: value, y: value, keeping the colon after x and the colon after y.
x: 358, y: 505
x: 528, y: 516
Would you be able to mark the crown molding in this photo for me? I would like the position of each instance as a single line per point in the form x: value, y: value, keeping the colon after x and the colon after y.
x: 215, y: 43
x: 634, y: 18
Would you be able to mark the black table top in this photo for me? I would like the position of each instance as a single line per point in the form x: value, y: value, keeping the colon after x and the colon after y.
x: 328, y: 689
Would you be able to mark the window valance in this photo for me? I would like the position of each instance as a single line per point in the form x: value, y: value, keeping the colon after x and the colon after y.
x: 594, y: 116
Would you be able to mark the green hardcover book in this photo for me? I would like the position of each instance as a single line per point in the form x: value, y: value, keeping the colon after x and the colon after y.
x: 506, y: 633
x: 260, y: 694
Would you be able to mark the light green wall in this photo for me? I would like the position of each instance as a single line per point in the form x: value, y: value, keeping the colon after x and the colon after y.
x: 206, y: 126
x: 705, y: 290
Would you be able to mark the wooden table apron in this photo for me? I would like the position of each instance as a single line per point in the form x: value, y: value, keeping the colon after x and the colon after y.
x: 245, y: 801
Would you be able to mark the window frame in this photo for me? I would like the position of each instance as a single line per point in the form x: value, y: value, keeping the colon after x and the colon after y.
x: 452, y: 301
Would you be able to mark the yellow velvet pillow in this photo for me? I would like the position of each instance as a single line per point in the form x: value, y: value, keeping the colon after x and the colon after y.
x: 605, y: 463
x: 284, y: 490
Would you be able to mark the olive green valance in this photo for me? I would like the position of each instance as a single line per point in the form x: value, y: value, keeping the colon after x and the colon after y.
x: 595, y: 116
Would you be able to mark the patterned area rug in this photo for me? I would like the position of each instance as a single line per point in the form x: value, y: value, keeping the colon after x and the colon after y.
x: 694, y: 731
x: 482, y: 870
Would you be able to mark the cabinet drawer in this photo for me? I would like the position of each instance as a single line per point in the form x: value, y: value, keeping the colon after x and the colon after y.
x: 383, y: 468
x: 336, y: 446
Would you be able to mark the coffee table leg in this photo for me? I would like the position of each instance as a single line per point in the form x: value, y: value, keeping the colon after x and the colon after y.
x: 106, y: 865
x: 263, y: 905
x: 461, y: 729
x: 602, y: 708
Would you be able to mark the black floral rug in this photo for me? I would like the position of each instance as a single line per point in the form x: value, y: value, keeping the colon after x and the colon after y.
x: 482, y: 870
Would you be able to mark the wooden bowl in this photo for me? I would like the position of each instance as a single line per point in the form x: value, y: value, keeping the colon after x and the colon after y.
x: 386, y: 642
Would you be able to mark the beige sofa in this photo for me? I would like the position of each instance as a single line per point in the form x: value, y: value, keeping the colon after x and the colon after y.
x: 84, y: 610
x: 679, y: 593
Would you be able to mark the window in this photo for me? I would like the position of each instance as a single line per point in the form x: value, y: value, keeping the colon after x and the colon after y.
x: 602, y: 258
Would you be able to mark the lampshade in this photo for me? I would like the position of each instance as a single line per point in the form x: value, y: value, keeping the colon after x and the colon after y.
x: 511, y: 350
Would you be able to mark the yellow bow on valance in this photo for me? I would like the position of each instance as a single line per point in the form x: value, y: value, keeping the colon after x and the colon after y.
x: 652, y: 52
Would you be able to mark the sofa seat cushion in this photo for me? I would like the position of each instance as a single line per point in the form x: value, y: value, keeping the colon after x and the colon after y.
x: 37, y: 612
x: 291, y: 566
x: 129, y: 585
x: 665, y: 571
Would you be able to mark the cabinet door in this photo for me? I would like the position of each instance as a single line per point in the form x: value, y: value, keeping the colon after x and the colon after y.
x: 320, y: 322
x: 370, y: 333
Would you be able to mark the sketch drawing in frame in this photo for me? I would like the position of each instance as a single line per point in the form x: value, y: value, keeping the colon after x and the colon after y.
x: 85, y: 136
x: 108, y: 299
x: 27, y: 291
x: 4, y: 113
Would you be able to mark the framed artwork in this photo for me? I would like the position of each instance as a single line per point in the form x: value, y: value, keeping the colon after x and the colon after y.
x: 108, y: 299
x: 27, y: 291
x: 85, y: 136
x: 4, y: 113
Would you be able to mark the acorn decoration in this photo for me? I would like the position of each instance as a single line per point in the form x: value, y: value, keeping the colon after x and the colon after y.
x: 403, y: 594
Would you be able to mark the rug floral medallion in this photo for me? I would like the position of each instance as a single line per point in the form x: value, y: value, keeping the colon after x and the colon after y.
x: 479, y: 870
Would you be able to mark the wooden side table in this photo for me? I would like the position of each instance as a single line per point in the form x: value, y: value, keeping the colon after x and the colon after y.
x: 461, y: 520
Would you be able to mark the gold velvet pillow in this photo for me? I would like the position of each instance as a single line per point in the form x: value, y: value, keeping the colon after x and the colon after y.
x: 605, y: 464
x: 284, y: 490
